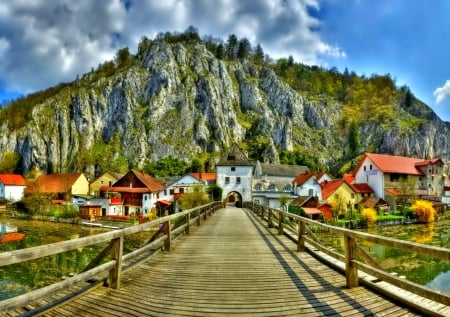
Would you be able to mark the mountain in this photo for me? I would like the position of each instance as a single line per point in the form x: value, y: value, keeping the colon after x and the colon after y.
x: 177, y: 98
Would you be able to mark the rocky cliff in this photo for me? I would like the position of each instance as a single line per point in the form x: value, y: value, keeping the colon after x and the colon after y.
x: 179, y: 100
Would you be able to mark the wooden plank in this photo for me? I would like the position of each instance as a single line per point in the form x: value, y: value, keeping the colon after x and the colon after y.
x: 232, y: 266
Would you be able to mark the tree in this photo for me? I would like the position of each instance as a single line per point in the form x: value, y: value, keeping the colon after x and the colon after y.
x: 195, y: 167
x: 369, y: 215
x: 215, y: 192
x: 424, y: 211
x: 192, y: 33
x: 406, y: 188
x: 123, y: 57
x: 259, y: 54
x: 10, y: 162
x: 194, y: 198
x: 244, y: 48
x: 231, y: 48
x: 353, y: 138
x: 220, y: 51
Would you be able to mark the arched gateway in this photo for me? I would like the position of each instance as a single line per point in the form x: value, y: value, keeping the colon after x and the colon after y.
x: 234, y: 176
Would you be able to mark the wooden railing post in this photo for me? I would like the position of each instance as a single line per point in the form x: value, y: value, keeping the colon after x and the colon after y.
x: 116, y: 254
x: 188, y: 224
x: 301, y: 237
x: 280, y: 223
x: 167, y: 231
x: 351, y: 268
x: 269, y: 219
x: 206, y: 212
x: 199, y: 215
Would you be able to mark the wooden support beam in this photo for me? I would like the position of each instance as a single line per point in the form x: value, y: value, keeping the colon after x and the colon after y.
x: 116, y: 255
x: 301, y: 237
x: 351, y: 267
x: 168, y: 232
x: 188, y: 224
x: 280, y: 223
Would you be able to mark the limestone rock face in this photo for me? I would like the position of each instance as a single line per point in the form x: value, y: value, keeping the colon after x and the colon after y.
x: 180, y: 100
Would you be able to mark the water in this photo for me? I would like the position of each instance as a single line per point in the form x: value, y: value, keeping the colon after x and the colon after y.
x: 23, y: 277
x: 433, y: 273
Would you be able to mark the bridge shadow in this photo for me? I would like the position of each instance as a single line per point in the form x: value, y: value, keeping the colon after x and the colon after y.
x: 309, y: 294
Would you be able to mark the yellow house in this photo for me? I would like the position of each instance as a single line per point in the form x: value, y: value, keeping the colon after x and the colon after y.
x: 104, y: 181
x: 340, y: 195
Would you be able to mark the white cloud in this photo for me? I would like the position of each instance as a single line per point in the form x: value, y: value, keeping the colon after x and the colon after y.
x: 45, y: 42
x: 442, y: 92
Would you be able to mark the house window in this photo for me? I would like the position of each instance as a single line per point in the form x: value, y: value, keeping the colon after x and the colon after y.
x: 258, y: 186
x: 231, y: 158
x: 353, y: 195
x: 145, y: 197
x: 370, y: 166
x: 227, y: 180
x: 256, y: 201
x: 287, y: 188
x: 101, y: 182
x: 364, y: 168
x: 272, y: 187
x: 310, y: 192
x: 181, y: 190
x: 172, y: 191
x: 233, y: 169
x: 165, y: 192
x: 238, y: 180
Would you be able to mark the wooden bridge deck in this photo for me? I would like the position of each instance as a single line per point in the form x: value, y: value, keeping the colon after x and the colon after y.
x: 232, y: 266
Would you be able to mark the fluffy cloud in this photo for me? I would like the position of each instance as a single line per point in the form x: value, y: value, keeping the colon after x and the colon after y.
x: 442, y: 92
x: 46, y: 42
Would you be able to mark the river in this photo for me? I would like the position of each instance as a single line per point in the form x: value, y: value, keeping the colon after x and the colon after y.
x: 23, y: 277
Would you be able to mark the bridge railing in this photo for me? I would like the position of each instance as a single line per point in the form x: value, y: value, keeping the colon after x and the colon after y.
x: 355, y: 258
x: 165, y: 233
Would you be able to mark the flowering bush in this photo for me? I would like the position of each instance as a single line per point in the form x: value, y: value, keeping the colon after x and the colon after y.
x: 369, y: 215
x: 424, y: 211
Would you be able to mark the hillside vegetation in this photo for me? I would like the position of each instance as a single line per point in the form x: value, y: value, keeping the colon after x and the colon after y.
x: 185, y: 98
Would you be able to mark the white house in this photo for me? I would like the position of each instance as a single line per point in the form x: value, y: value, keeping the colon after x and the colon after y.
x: 384, y: 172
x: 234, y: 176
x: 272, y: 183
x: 12, y: 187
x: 308, y: 184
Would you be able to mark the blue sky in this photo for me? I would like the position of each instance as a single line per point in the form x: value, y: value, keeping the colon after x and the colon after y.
x: 44, y: 42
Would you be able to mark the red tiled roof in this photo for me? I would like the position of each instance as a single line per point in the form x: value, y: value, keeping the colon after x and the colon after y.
x: 54, y: 183
x: 164, y: 202
x: 205, y: 176
x: 149, y: 181
x: 349, y: 178
x: 395, y: 164
x: 12, y: 180
x: 330, y: 187
x: 302, y: 178
x: 361, y: 188
x: 312, y: 211
x: 138, y: 190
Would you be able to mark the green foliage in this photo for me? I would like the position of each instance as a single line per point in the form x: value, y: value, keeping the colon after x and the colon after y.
x: 296, y: 210
x: 353, y: 138
x: 215, y: 192
x: 193, y: 199
x: 168, y: 166
x: 9, y: 162
x: 195, y: 167
x: 299, y: 158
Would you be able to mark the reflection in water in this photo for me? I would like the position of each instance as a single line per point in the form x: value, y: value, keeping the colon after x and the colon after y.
x: 23, y: 277
x: 423, y: 270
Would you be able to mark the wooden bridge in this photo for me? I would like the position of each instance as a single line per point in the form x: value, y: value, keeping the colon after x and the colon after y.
x: 233, y: 264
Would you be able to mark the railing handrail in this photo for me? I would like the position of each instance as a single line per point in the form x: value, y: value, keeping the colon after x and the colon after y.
x: 115, y: 249
x: 352, y: 251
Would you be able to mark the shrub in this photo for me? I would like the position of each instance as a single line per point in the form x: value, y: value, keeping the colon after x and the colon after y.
x: 424, y: 211
x: 369, y: 215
